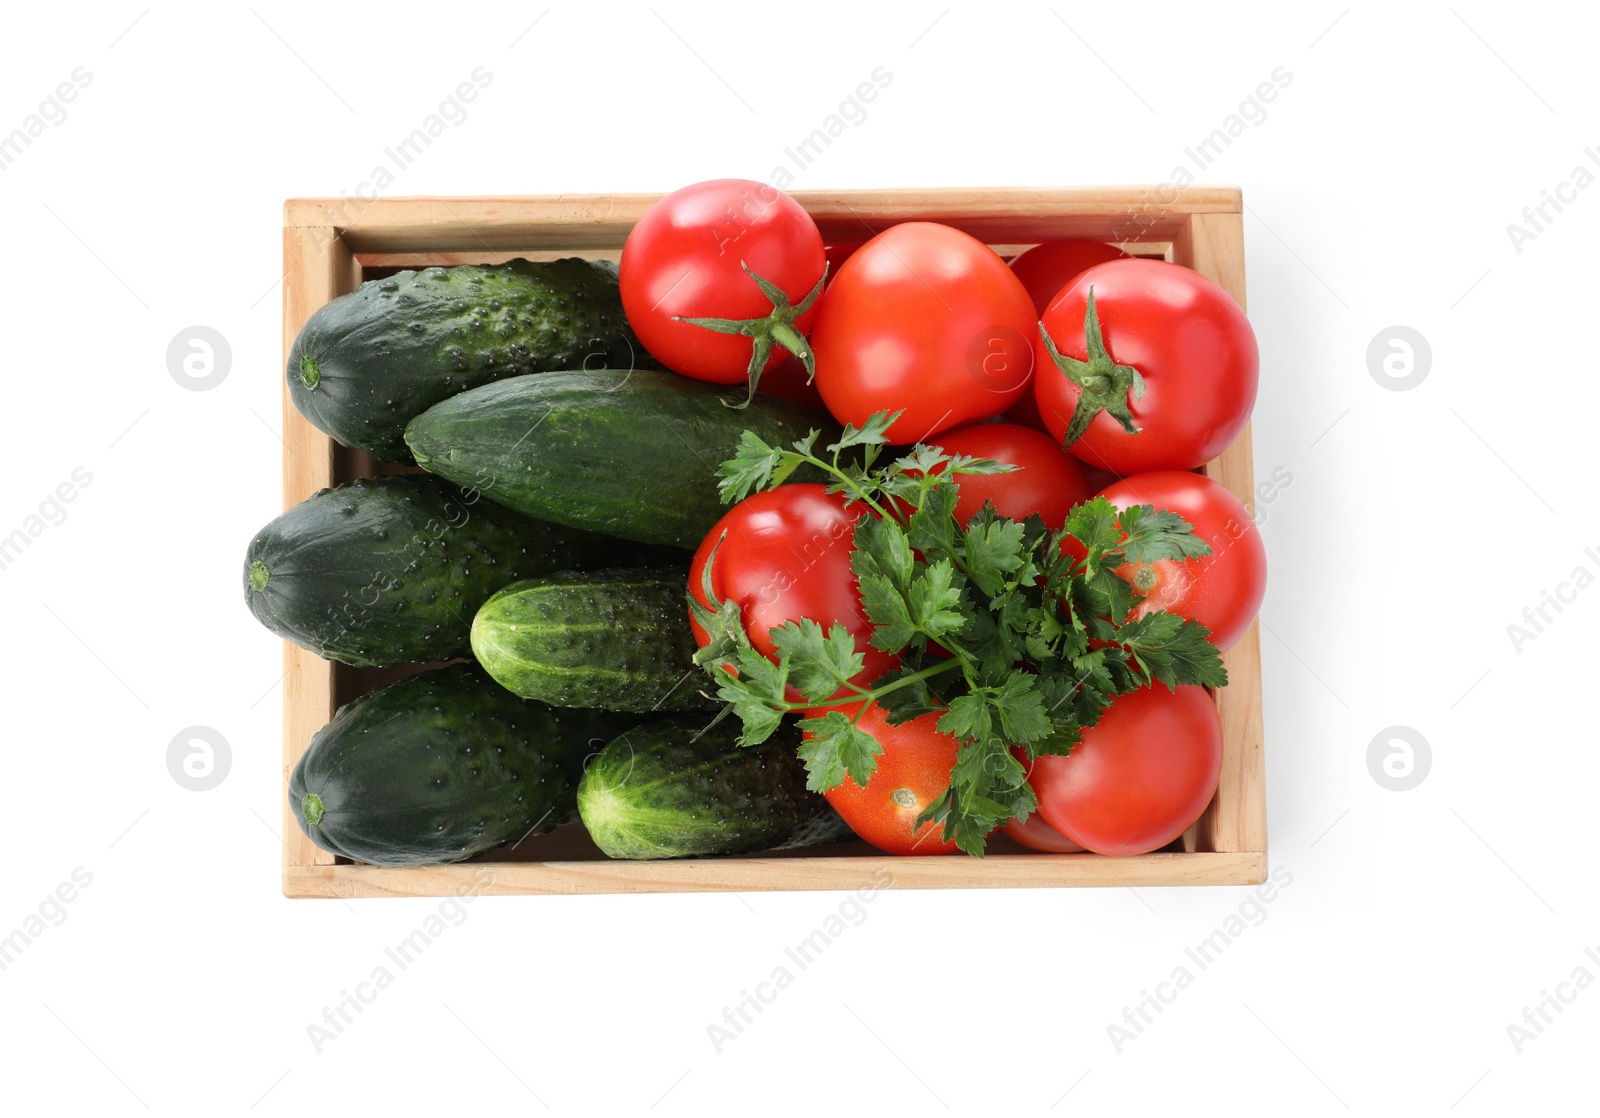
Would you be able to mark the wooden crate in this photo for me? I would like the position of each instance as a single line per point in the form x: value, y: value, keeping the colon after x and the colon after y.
x: 330, y: 245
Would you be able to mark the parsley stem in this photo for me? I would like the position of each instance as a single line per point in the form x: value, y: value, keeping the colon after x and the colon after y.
x: 861, y: 494
x: 864, y: 695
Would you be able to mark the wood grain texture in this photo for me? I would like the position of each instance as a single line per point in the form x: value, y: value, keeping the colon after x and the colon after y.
x: 371, y: 262
x: 1213, y: 245
x: 330, y: 243
x: 317, y: 267
x: 589, y: 221
x: 722, y: 875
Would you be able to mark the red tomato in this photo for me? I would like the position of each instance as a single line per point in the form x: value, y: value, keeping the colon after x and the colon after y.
x: 913, y: 771
x: 1049, y: 481
x: 1182, y: 333
x: 1045, y: 269
x: 687, y: 258
x: 924, y: 318
x: 790, y: 379
x: 1038, y: 835
x: 1141, y: 775
x: 785, y: 556
x: 1223, y: 590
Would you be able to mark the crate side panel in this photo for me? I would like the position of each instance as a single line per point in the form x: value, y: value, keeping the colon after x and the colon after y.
x: 712, y: 875
x: 1213, y: 245
x: 317, y: 266
x: 582, y: 222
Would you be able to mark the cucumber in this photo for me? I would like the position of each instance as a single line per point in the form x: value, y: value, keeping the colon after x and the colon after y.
x: 616, y: 640
x: 440, y: 767
x: 390, y: 570
x: 367, y: 362
x: 658, y: 791
x: 632, y: 455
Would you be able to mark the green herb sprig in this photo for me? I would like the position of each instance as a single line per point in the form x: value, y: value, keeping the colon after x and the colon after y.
x: 1034, y: 642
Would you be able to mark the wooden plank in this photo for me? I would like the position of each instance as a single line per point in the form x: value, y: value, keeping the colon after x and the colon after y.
x: 1213, y: 245
x: 370, y: 261
x: 713, y: 875
x: 589, y: 221
x: 317, y: 266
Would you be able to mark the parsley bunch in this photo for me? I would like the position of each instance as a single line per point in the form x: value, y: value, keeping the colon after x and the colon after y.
x: 1038, y: 643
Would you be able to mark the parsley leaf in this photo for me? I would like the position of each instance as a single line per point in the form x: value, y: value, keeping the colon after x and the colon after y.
x: 1153, y: 534
x: 875, y: 431
x: 892, y: 627
x: 834, y: 747
x: 749, y: 469
x: 819, y: 663
x: 933, y: 598
x: 932, y: 528
x: 1173, y: 651
x: 993, y: 552
x: 881, y: 547
x: 907, y: 700
x: 1020, y: 708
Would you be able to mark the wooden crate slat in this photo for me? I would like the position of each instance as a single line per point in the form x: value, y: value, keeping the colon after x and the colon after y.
x: 1213, y: 245
x: 317, y: 267
x: 590, y: 221
x: 713, y: 875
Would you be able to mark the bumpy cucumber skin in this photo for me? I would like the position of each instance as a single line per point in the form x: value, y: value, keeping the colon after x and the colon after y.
x: 655, y: 792
x: 390, y: 570
x: 440, y: 767
x: 394, y: 347
x: 614, y: 640
x: 632, y: 455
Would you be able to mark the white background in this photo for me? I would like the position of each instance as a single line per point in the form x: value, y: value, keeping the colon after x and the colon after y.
x: 1418, y: 526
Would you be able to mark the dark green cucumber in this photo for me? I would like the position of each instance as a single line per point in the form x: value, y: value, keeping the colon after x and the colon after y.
x: 390, y: 570
x: 632, y: 455
x: 658, y: 791
x: 439, y: 767
x: 615, y: 640
x: 366, y: 363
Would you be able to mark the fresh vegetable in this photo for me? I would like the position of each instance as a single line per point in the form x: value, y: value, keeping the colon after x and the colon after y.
x: 1144, y: 365
x: 390, y: 570
x: 781, y: 557
x: 1047, y: 480
x: 673, y: 788
x: 1141, y: 775
x: 614, y: 640
x: 720, y: 278
x: 911, y: 774
x: 367, y: 362
x: 1045, y: 269
x: 1222, y: 590
x: 439, y: 767
x: 926, y: 319
x: 1034, y: 833
x: 1038, y: 644
x: 628, y: 454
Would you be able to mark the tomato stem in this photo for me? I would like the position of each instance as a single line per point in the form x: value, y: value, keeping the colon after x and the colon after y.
x: 772, y: 329
x: 1103, y: 385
